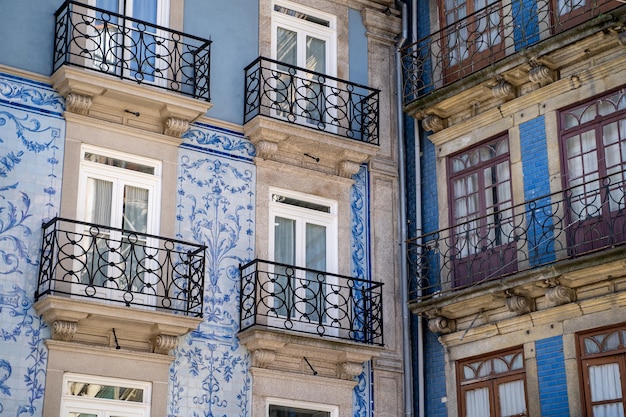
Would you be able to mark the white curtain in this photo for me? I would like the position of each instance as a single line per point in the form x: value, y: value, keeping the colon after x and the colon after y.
x: 512, y: 400
x: 477, y: 403
x: 605, y: 385
x: 135, y: 209
x: 315, y: 259
x: 284, y: 252
x: 98, y: 201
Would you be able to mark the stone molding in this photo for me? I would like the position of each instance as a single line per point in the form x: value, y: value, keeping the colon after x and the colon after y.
x: 302, y: 147
x: 141, y: 106
x: 88, y: 322
x: 278, y: 350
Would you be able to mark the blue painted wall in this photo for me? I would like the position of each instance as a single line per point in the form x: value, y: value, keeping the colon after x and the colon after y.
x: 552, y: 380
x: 27, y: 33
x: 358, y: 48
x: 233, y: 26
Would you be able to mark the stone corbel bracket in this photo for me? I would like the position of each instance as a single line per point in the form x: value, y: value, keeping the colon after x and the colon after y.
x: 518, y: 304
x: 175, y: 127
x: 64, y: 330
x: 78, y: 103
x: 261, y: 358
x: 539, y: 73
x: 349, y: 370
x: 439, y: 324
x: 560, y: 294
x: 433, y: 123
x: 164, y: 343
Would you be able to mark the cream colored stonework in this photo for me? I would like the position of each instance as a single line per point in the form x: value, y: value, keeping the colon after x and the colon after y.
x: 281, y: 162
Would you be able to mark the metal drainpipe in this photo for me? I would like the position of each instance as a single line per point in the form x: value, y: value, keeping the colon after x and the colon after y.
x: 406, y: 324
x: 418, y: 229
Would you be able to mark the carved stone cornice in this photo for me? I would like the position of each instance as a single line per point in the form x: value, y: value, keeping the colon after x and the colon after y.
x: 78, y: 103
x: 91, y: 323
x: 164, y: 343
x: 304, y: 148
x: 64, y: 330
x: 382, y: 26
x: 153, y: 110
x: 349, y: 370
x: 175, y: 127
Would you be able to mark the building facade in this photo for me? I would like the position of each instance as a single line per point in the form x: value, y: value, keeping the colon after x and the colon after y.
x: 199, y: 206
x: 515, y: 199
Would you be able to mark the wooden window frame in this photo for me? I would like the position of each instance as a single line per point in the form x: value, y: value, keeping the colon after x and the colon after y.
x: 491, y: 381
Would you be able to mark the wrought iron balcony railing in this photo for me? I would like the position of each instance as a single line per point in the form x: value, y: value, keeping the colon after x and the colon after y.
x: 485, y: 37
x: 306, y: 98
x: 89, y: 261
x: 286, y: 297
x: 131, y: 49
x: 577, y: 221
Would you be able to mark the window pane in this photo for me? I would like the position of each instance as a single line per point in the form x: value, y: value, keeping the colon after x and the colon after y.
x: 98, y: 203
x: 285, y: 411
x: 315, y: 54
x: 608, y: 410
x: 477, y: 403
x: 512, y: 400
x: 135, y: 216
x: 604, y: 382
x: 286, y: 46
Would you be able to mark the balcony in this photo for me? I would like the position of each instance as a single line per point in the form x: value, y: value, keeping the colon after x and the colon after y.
x: 527, y: 244
x: 297, y: 300
x: 309, y: 120
x: 130, y: 49
x: 100, y: 284
x: 488, y: 36
x: 310, y: 99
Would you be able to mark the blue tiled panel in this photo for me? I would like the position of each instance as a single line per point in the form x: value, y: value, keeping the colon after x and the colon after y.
x: 434, y: 375
x: 32, y: 135
x: 537, y: 184
x: 215, y: 207
x: 552, y: 380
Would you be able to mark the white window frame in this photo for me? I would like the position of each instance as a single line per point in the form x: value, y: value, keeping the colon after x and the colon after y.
x: 302, y: 29
x: 122, y: 176
x: 105, y: 407
x: 328, y: 220
x: 332, y: 409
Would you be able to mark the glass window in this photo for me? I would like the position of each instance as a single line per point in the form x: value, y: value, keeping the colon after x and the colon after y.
x: 304, y: 42
x: 603, y: 369
x: 472, y: 35
x: 286, y: 408
x: 493, y: 386
x: 481, y: 212
x: 118, y: 198
x: 593, y: 149
x: 91, y: 396
x: 303, y: 233
x: 132, y: 47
